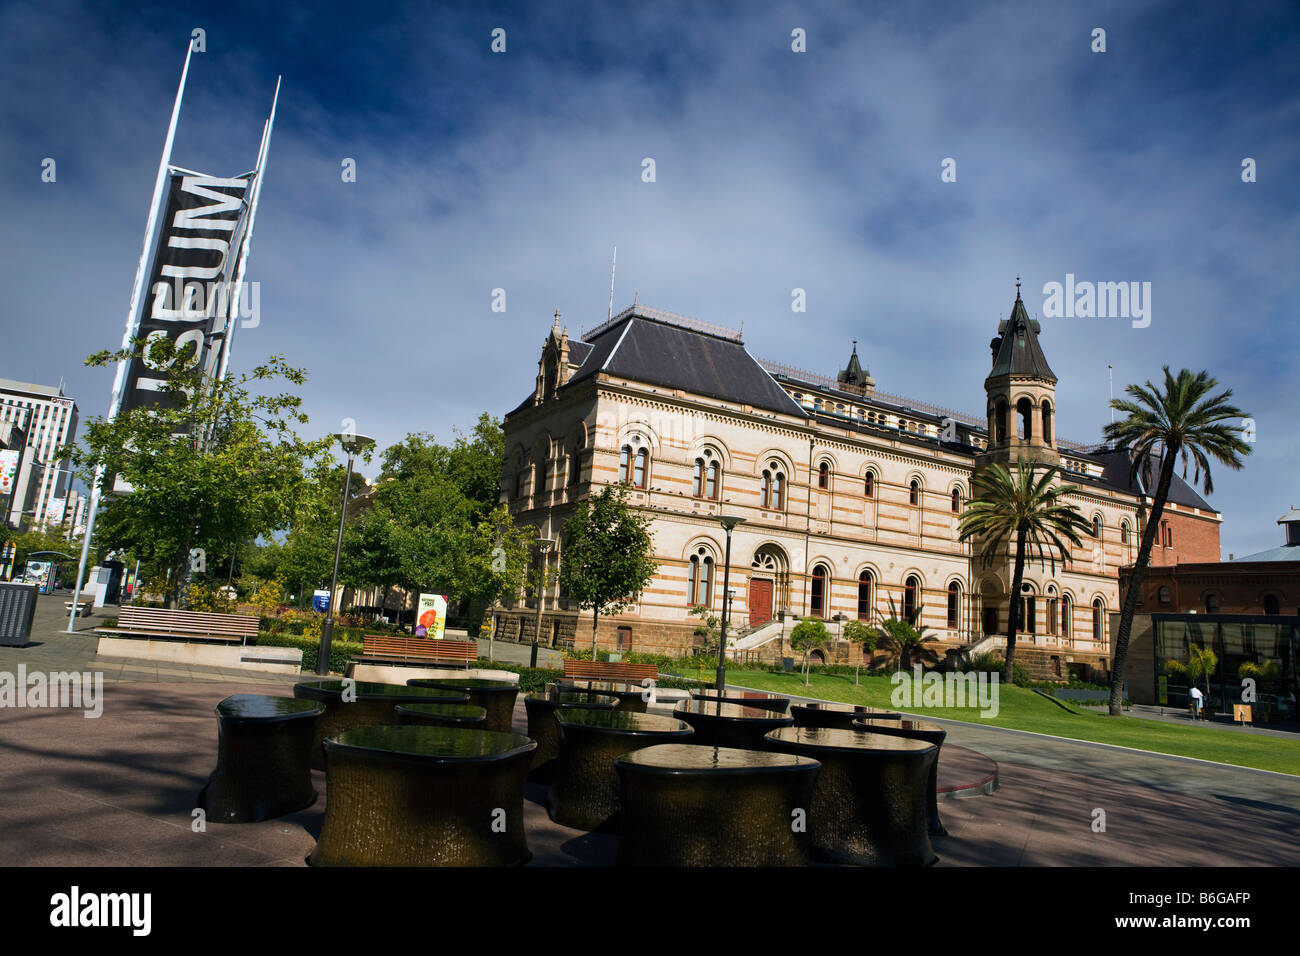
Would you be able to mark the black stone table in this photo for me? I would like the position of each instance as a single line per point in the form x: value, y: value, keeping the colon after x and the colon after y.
x: 729, y: 725
x: 918, y: 730
x: 690, y: 805
x: 424, y: 796
x: 263, y: 759
x: 747, y: 698
x: 868, y: 807
x: 585, y: 790
x: 497, y: 697
x: 632, y: 697
x: 819, y: 713
x: 542, y: 727
x: 465, y: 716
x: 372, y: 707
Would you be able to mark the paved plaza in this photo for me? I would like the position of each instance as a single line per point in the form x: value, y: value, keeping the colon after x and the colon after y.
x: 121, y: 789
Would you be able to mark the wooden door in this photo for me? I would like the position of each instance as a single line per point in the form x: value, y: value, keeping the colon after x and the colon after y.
x: 760, y: 602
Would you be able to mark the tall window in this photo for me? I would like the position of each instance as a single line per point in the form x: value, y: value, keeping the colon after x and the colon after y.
x: 823, y: 476
x: 1123, y: 533
x: 699, y: 587
x: 869, y: 485
x: 519, y: 479
x: 575, y: 466
x: 864, y: 596
x: 1211, y: 604
x: 625, y: 464
x: 642, y: 466
x: 1024, y: 419
x: 914, y: 493
x: 711, y: 481
x: 819, y: 591
x: 1047, y: 421
x: 765, y: 490
x: 1271, y: 604
x: 1165, y: 596
x: 1097, y: 620
x: 697, y: 478
x: 539, y: 478
x: 1067, y: 616
x: 911, y: 591
x: 954, y: 602
x: 1096, y: 526
x: 956, y: 500
x: 1000, y: 421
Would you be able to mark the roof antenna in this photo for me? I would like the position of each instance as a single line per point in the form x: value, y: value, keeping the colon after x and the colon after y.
x: 612, y: 267
x: 1017, y: 288
x: 634, y: 299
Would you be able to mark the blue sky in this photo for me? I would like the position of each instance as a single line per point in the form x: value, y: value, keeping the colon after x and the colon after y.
x: 775, y: 170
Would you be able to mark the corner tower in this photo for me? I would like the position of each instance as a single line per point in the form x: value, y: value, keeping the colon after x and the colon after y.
x: 1021, y: 392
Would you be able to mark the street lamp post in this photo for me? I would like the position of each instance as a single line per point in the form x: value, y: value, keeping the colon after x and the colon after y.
x: 544, y: 546
x: 352, y: 444
x: 729, y: 522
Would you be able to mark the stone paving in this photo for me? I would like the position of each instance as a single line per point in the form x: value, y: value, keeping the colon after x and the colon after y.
x: 120, y: 789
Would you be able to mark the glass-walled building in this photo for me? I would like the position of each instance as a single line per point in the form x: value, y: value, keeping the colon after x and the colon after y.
x: 1263, y: 647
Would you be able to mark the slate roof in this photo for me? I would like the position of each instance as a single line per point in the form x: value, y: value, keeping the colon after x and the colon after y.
x: 1116, y: 471
x: 653, y: 352
x: 1016, y: 350
x: 578, y: 351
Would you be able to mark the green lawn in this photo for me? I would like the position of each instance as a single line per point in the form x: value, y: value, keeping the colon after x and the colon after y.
x: 1022, y: 709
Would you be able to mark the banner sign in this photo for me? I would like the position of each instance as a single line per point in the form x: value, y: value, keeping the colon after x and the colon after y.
x: 320, y: 601
x: 187, y: 295
x: 8, y: 469
x: 431, y: 616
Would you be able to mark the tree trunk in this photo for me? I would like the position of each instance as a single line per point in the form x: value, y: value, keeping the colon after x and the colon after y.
x: 1120, y: 655
x: 595, y: 616
x: 1013, y: 612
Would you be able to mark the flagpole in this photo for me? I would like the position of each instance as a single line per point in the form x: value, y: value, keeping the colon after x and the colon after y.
x: 244, y: 245
x: 132, y: 323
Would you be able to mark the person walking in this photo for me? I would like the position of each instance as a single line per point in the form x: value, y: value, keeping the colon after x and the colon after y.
x: 1197, y: 699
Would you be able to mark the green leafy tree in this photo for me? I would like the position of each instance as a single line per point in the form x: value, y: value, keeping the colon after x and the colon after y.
x: 217, y: 462
x: 608, y: 555
x: 809, y: 635
x: 861, y: 633
x: 707, y: 630
x: 1030, y: 510
x: 1201, y: 663
x: 1181, y: 422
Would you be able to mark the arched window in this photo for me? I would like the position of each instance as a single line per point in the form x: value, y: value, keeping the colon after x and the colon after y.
x: 575, y: 466
x: 1067, y: 616
x: 1024, y: 419
x: 823, y: 475
x: 911, y: 590
x: 914, y: 493
x: 1123, y: 533
x: 1096, y: 526
x: 869, y: 485
x: 625, y: 464
x: 778, y: 491
x: 818, y: 596
x: 864, y: 596
x: 765, y: 490
x: 539, y: 478
x: 1271, y: 604
x: 1097, y: 620
x: 1165, y: 595
x: 954, y: 602
x: 699, y: 587
x: 817, y: 404
x: 1047, y: 421
x: 519, y: 479
x: 642, y: 466
x: 711, y: 481
x: 956, y: 500
x: 1211, y: 604
x: 1000, y: 421
x: 697, y: 479
x: 1053, y: 609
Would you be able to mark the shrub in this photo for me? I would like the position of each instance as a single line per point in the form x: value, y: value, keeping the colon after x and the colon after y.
x: 341, y: 651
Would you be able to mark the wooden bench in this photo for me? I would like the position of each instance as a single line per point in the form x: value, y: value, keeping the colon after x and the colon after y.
x: 391, y: 647
x: 153, y: 622
x: 604, y: 670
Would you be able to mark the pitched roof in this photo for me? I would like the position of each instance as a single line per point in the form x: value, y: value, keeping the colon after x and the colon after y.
x: 1016, y: 350
x: 646, y: 349
x: 1117, y: 472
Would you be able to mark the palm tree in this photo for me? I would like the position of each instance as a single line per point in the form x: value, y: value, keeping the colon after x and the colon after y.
x: 1180, y: 422
x: 1029, y: 507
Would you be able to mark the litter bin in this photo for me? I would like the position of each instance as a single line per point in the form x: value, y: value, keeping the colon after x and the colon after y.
x: 17, y: 607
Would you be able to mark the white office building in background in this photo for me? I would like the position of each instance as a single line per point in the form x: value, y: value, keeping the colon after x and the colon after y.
x: 49, y: 419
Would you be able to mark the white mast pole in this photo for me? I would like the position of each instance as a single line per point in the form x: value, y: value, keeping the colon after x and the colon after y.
x: 132, y: 322
x: 613, y: 265
x: 262, y: 152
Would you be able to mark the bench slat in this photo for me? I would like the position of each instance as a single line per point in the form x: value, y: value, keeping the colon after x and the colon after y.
x: 605, y: 670
x: 420, y: 648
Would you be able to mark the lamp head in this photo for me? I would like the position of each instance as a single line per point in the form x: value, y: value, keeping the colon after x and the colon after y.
x: 730, y: 521
x: 353, y: 443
